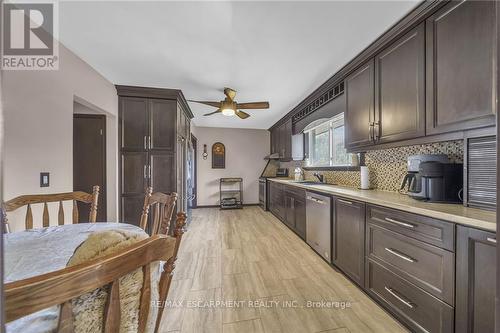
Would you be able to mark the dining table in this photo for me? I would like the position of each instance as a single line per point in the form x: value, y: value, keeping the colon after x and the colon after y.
x: 34, y: 252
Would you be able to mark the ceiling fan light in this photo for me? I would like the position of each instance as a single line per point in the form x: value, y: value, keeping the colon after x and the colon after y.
x: 228, y: 112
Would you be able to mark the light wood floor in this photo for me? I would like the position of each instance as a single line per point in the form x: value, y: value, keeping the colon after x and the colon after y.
x: 248, y: 255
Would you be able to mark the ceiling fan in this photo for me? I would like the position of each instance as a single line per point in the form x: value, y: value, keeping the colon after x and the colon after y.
x: 228, y: 107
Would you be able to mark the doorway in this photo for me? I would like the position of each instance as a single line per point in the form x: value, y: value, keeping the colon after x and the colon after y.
x: 194, y: 142
x: 89, y: 160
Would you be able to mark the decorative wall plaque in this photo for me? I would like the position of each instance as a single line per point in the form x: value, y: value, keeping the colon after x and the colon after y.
x: 218, y: 156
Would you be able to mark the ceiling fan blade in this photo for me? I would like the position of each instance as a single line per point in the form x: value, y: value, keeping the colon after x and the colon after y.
x: 211, y: 113
x: 242, y: 115
x: 214, y: 104
x: 253, y: 105
x: 230, y: 93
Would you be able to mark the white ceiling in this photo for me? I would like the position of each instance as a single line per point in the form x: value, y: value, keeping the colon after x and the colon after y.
x: 274, y: 51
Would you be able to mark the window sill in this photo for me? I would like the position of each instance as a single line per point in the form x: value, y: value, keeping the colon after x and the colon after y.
x: 332, y: 168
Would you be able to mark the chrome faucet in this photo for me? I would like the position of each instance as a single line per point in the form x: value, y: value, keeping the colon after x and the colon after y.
x: 320, y: 177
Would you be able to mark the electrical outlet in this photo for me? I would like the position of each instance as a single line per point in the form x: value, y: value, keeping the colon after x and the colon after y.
x: 44, y: 179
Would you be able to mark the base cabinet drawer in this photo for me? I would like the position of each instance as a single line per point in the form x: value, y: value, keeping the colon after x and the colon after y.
x: 421, y: 311
x: 426, y: 229
x: 429, y: 267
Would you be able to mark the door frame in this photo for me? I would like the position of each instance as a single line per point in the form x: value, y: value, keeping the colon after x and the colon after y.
x: 102, y: 190
x: 194, y: 143
x: 497, y: 102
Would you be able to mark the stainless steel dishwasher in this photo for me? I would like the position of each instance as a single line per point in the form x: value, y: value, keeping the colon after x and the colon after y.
x: 318, y: 226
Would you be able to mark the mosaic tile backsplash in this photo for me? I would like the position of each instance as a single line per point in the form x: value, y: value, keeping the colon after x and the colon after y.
x: 387, y: 167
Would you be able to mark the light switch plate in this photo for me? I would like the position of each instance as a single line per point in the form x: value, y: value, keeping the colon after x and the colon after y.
x: 44, y: 179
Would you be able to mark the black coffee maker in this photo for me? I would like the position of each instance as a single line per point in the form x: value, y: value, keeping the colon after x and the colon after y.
x: 438, y: 182
x: 412, y: 181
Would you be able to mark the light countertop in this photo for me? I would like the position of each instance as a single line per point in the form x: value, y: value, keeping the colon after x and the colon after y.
x: 456, y: 213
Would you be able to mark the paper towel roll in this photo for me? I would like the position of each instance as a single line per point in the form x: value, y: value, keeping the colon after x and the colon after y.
x: 365, y: 178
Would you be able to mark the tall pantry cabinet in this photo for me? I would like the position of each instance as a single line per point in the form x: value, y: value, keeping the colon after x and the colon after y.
x: 154, y: 130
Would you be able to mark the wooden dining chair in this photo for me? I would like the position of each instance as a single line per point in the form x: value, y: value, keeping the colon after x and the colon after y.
x: 33, y: 294
x: 28, y: 200
x: 168, y: 267
x: 163, y: 206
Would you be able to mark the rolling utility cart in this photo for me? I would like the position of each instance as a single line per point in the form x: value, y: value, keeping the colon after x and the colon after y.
x: 231, y: 193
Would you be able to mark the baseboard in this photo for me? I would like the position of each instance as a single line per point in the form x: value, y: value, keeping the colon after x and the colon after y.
x: 217, y: 206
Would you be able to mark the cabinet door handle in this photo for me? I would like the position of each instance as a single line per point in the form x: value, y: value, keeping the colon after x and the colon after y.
x: 491, y: 240
x: 400, y: 255
x: 315, y: 200
x: 145, y: 172
x: 345, y: 201
x: 399, y: 298
x: 145, y: 142
x: 376, y: 135
x: 403, y: 224
x: 149, y: 171
x: 370, y: 130
x: 149, y: 141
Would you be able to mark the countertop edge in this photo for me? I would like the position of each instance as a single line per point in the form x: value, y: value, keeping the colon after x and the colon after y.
x: 429, y: 212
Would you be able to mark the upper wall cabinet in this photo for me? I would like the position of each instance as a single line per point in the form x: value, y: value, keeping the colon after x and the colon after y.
x: 286, y: 140
x: 461, y: 66
x: 275, y: 138
x: 281, y: 140
x: 359, y: 118
x: 400, y: 89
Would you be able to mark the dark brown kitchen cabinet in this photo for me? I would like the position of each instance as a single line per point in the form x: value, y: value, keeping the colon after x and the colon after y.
x: 400, y: 89
x: 476, y: 271
x: 289, y: 219
x: 286, y: 140
x: 461, y: 67
x: 134, y: 123
x: 275, y: 138
x: 348, y: 238
x: 277, y: 200
x: 359, y: 117
x: 281, y: 140
x: 134, y: 168
x: 295, y: 210
x: 160, y: 180
x: 428, y: 267
x: 152, y: 123
x: 420, y: 311
x: 162, y: 124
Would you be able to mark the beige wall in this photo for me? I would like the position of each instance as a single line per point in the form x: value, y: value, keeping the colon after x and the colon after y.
x: 38, y: 112
x: 245, y: 151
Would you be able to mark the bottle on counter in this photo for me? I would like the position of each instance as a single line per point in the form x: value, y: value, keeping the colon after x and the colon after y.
x: 298, y: 174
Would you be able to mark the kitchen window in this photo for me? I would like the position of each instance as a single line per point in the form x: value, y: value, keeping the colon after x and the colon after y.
x: 326, y: 144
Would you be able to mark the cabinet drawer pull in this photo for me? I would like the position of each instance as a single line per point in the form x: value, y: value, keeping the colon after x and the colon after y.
x: 399, y: 298
x: 400, y: 255
x: 345, y: 201
x: 491, y: 240
x: 403, y: 224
